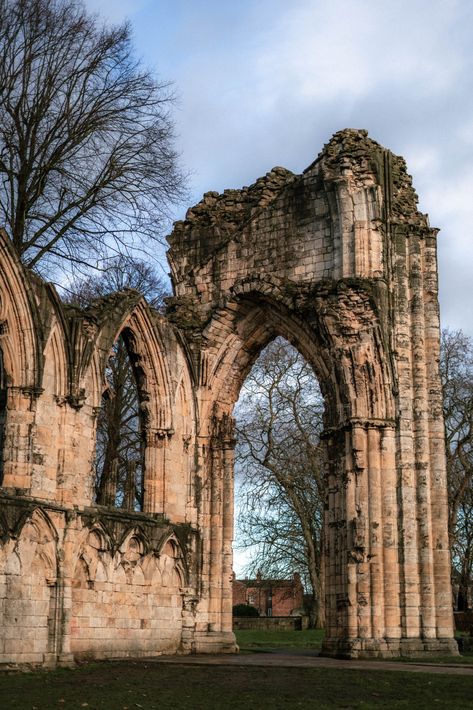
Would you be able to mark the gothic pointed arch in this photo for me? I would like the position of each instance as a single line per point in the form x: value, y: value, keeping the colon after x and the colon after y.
x: 132, y: 316
x: 20, y: 325
x: 131, y: 325
x: 174, y: 559
x: 358, y: 382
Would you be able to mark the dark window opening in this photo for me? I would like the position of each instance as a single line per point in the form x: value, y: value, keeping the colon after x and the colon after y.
x: 119, y: 462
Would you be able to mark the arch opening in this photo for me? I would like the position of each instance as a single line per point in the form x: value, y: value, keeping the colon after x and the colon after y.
x: 119, y: 460
x: 340, y: 335
x: 280, y: 486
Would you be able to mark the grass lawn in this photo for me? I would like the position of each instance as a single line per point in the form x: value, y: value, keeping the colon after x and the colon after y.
x: 279, y: 639
x: 312, y: 639
x: 129, y: 685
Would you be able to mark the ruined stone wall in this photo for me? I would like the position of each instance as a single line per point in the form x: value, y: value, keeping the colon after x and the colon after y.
x: 79, y: 580
x: 340, y: 262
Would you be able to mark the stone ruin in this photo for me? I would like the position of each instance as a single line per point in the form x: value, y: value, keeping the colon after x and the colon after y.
x: 338, y: 261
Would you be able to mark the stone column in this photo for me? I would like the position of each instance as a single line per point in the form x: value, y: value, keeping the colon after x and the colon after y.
x: 67, y: 561
x: 189, y: 603
x: 155, y: 470
x: 216, y: 534
x: 227, y: 530
x: 219, y: 636
x: 389, y: 533
x: 427, y: 618
x: 362, y: 556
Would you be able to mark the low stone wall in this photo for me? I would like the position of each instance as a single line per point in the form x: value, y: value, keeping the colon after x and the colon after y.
x: 268, y: 623
x: 90, y: 583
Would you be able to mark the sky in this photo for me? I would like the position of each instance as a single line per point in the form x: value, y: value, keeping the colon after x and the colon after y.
x: 261, y: 83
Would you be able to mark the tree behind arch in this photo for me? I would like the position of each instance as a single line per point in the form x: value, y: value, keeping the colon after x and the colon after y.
x: 456, y: 370
x: 279, y: 463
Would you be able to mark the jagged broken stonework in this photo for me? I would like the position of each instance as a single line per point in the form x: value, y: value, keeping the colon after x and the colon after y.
x: 338, y: 261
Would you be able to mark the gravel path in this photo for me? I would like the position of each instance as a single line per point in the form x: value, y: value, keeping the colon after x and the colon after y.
x: 309, y: 659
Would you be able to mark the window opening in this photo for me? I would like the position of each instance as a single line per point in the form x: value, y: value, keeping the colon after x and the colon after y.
x: 119, y: 462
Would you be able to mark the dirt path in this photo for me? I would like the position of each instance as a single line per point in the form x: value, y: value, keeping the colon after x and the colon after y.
x: 287, y: 659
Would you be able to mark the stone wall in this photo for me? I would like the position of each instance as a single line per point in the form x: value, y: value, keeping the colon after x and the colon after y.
x: 340, y: 262
x: 269, y: 623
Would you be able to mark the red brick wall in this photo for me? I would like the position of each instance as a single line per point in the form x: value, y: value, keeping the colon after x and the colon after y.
x: 270, y: 597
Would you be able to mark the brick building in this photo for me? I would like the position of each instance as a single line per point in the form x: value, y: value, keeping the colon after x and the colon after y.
x: 272, y: 597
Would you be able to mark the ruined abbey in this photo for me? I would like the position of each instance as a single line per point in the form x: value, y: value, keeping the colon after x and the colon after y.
x: 340, y: 262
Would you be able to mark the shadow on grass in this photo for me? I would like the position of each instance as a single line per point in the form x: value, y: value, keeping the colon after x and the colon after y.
x: 131, y: 684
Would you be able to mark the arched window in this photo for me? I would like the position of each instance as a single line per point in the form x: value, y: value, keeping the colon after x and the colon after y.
x: 119, y: 462
x: 3, y: 411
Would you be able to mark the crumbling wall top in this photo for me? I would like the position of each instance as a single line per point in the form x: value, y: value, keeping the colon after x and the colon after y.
x: 350, y: 158
x: 351, y: 153
x: 219, y: 217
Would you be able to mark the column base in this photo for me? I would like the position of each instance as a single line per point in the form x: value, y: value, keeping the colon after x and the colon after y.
x: 388, y: 648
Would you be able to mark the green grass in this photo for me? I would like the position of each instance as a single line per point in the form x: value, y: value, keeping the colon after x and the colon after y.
x: 150, y: 685
x: 251, y: 641
x: 129, y: 685
x: 311, y: 638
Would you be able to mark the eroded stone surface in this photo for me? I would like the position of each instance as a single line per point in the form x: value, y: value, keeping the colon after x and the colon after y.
x: 339, y: 261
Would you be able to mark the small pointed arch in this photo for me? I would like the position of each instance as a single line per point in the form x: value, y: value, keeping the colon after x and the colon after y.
x: 94, y: 543
x: 134, y: 544
x: 56, y: 362
x: 172, y: 559
x: 184, y: 408
x: 97, y: 537
x: 37, y: 540
x: 40, y: 523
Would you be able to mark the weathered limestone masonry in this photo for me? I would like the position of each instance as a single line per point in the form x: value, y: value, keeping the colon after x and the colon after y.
x: 340, y: 262
x: 79, y: 580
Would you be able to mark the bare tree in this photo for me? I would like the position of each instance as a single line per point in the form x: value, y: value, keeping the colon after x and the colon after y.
x: 456, y: 368
x: 87, y: 164
x: 119, y: 460
x: 280, y: 469
x: 121, y: 273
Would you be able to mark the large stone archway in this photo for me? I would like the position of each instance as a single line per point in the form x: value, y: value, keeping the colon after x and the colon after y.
x: 340, y: 262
